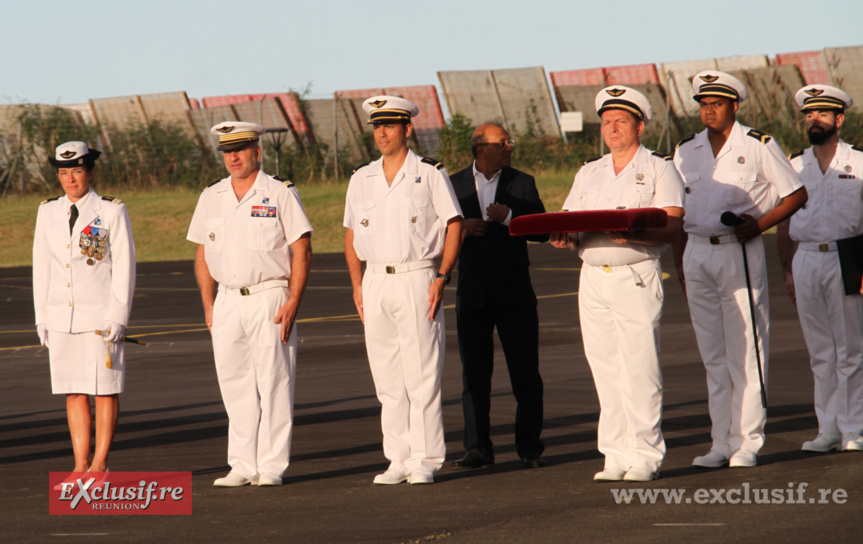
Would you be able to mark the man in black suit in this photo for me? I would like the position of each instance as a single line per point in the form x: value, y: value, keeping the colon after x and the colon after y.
x: 494, y: 290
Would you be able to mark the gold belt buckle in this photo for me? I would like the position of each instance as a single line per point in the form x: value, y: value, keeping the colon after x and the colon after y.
x: 606, y: 268
x: 714, y: 240
x: 824, y: 247
x: 391, y: 269
x: 245, y: 291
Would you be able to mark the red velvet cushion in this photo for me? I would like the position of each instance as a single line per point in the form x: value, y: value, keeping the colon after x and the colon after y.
x: 587, y: 221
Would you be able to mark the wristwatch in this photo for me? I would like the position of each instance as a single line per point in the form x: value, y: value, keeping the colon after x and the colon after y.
x: 445, y: 277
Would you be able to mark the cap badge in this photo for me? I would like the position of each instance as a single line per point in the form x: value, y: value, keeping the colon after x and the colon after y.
x: 378, y: 103
x: 708, y: 78
x: 741, y: 160
x: 616, y: 92
x: 225, y: 130
x: 67, y: 154
x: 814, y: 92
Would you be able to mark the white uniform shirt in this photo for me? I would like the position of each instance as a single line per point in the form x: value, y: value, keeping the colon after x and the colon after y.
x: 70, y: 295
x: 486, y: 190
x: 648, y: 181
x: 835, y: 206
x: 248, y: 242
x: 404, y: 222
x: 747, y: 176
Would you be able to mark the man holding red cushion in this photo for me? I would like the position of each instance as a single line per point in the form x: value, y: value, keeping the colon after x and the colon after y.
x: 620, y: 286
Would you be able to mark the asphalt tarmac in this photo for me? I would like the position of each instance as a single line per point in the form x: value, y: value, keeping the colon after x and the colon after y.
x: 172, y: 419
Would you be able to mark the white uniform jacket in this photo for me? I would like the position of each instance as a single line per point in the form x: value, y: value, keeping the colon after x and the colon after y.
x: 404, y: 222
x: 749, y: 175
x: 649, y: 180
x: 70, y: 295
x: 248, y: 242
x: 835, y: 206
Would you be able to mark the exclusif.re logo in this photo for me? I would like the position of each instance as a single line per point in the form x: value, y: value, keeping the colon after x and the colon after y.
x: 121, y: 493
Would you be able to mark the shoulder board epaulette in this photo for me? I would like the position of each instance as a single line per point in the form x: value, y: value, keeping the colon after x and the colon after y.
x: 758, y: 135
x: 287, y: 182
x: 215, y: 182
x: 662, y: 155
x: 795, y: 154
x: 857, y: 148
x: 50, y: 200
x: 432, y: 162
x: 593, y: 159
x: 112, y: 199
x: 362, y: 165
x: 683, y: 141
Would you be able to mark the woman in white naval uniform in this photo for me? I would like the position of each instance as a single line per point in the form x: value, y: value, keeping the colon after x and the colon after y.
x: 83, y: 281
x: 620, y: 286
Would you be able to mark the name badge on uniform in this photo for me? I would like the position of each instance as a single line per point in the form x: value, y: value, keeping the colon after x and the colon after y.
x: 263, y: 211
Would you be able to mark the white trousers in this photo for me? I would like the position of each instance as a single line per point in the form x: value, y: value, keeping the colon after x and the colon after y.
x: 79, y: 364
x: 719, y: 308
x: 406, y: 353
x: 256, y: 377
x: 833, y: 328
x: 619, y: 312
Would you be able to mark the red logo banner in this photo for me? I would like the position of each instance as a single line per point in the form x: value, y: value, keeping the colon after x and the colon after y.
x: 120, y: 493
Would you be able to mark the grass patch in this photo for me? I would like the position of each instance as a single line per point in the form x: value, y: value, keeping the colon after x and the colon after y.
x: 160, y: 218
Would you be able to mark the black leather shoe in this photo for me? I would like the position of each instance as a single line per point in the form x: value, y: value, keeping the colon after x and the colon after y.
x: 472, y: 459
x: 533, y: 460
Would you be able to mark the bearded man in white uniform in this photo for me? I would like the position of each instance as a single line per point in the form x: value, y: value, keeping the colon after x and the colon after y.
x: 620, y: 286
x: 731, y: 168
x: 83, y: 282
x: 831, y: 317
x: 254, y: 240
x: 402, y: 213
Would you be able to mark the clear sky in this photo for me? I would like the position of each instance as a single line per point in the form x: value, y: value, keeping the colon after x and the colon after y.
x: 63, y: 52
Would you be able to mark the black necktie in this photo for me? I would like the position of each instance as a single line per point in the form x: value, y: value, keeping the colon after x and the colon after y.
x: 73, y: 216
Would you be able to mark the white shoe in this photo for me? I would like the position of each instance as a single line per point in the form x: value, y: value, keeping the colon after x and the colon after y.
x: 743, y: 459
x: 852, y: 442
x: 268, y: 479
x: 421, y: 477
x: 391, y: 477
x: 233, y: 479
x: 640, y: 475
x: 713, y: 459
x: 824, y: 442
x: 609, y: 475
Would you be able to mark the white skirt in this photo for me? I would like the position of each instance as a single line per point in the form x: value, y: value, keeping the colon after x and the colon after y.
x: 79, y: 364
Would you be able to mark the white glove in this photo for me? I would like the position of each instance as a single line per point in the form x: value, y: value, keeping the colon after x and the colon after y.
x: 42, y: 331
x: 113, y: 331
